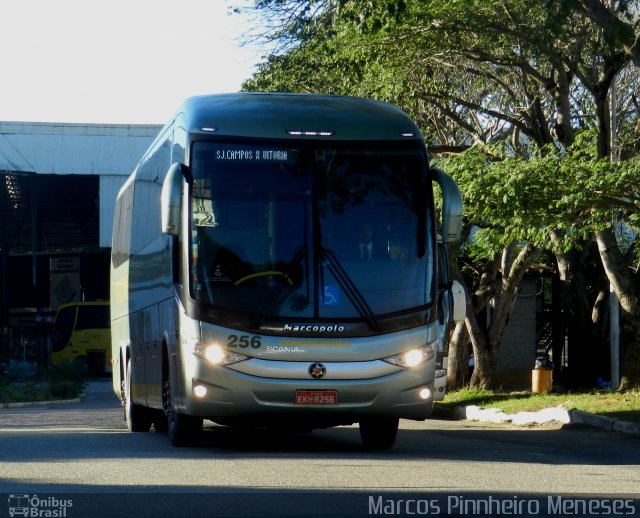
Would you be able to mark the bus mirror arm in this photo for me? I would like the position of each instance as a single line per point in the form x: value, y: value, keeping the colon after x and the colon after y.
x: 171, y: 200
x: 451, y: 207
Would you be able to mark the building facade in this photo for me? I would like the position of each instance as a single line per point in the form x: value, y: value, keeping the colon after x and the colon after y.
x: 58, y: 185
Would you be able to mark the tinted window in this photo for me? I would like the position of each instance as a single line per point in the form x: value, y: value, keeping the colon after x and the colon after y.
x: 278, y: 230
x: 93, y: 317
x: 63, y: 327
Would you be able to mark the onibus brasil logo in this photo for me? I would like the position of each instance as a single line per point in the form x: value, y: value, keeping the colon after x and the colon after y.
x: 36, y: 507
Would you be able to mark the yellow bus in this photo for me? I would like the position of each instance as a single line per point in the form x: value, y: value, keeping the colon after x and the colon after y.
x: 82, y: 332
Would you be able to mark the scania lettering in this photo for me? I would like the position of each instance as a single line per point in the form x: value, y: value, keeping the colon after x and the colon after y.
x: 275, y: 262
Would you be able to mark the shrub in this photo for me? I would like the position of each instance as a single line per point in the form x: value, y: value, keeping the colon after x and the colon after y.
x: 23, y: 382
x: 18, y: 370
x: 65, y: 389
x: 68, y: 370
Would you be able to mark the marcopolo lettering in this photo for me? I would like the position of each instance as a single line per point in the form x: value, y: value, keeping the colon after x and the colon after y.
x: 313, y: 328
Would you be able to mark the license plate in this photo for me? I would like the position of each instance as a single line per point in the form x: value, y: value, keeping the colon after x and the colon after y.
x: 316, y: 397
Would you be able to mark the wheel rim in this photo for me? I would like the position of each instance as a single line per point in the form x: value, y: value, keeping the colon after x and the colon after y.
x: 168, y: 407
x: 127, y: 391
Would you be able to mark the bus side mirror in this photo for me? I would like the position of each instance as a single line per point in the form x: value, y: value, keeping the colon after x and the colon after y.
x: 459, y: 302
x: 451, y: 208
x: 171, y: 200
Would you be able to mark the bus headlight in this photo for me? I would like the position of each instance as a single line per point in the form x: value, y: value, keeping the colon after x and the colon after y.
x: 216, y: 354
x: 413, y: 357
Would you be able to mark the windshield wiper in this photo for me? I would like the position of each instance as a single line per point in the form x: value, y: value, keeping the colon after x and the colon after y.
x: 353, y: 293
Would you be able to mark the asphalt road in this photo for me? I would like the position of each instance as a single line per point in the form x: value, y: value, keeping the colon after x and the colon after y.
x: 84, y: 450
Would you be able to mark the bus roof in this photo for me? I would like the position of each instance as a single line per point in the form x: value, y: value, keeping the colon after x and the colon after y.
x: 304, y: 116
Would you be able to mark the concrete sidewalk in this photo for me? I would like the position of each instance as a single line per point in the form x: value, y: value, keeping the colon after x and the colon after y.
x: 562, y: 415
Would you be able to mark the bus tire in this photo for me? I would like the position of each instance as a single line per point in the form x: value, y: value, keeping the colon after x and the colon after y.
x: 184, y: 430
x: 379, y: 433
x: 137, y: 416
x: 160, y: 422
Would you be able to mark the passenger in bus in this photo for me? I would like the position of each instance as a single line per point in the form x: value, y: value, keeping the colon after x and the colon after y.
x: 367, y: 247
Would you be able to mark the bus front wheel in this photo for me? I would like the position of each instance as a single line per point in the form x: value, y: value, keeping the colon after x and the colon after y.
x: 184, y: 430
x: 379, y: 433
x: 137, y: 416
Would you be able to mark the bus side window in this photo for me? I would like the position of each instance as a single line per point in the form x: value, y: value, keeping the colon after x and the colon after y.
x: 63, y: 327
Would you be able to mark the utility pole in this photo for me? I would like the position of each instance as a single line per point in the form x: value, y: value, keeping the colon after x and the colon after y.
x: 614, y: 305
x: 4, y: 310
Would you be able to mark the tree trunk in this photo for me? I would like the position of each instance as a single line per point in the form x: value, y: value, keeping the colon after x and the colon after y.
x: 626, y: 289
x: 561, y: 98
x: 484, y: 369
x: 459, y: 346
x: 459, y: 342
x: 603, y: 121
x: 488, y: 288
x: 487, y: 340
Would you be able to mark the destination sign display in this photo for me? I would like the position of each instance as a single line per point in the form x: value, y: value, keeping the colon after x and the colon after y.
x: 252, y: 154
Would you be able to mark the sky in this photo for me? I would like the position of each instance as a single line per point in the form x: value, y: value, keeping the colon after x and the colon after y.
x: 117, y: 61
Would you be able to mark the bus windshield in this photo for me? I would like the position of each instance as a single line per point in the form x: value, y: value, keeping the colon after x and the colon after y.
x: 314, y: 232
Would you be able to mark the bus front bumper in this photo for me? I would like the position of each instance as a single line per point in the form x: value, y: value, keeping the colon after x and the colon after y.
x: 343, y: 391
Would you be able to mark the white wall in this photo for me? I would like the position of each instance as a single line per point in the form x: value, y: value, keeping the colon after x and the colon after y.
x: 108, y: 150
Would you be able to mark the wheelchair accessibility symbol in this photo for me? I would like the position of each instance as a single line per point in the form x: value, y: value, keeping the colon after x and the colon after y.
x: 331, y: 295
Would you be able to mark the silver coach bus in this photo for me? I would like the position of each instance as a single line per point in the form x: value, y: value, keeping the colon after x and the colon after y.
x: 274, y: 263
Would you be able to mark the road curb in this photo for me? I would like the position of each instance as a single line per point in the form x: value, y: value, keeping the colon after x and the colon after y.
x: 562, y: 415
x: 30, y: 404
x: 603, y: 422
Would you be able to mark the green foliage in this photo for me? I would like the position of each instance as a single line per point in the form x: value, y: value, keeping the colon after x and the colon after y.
x: 17, y: 370
x: 65, y: 389
x: 69, y: 370
x: 514, y: 199
x: 469, y: 71
x: 23, y: 382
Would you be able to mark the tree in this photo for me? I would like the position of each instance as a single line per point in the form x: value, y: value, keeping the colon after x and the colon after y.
x: 620, y: 25
x: 583, y: 194
x: 532, y: 76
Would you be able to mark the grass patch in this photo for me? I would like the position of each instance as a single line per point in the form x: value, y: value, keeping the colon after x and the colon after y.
x: 34, y: 391
x: 620, y: 405
x: 22, y: 382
